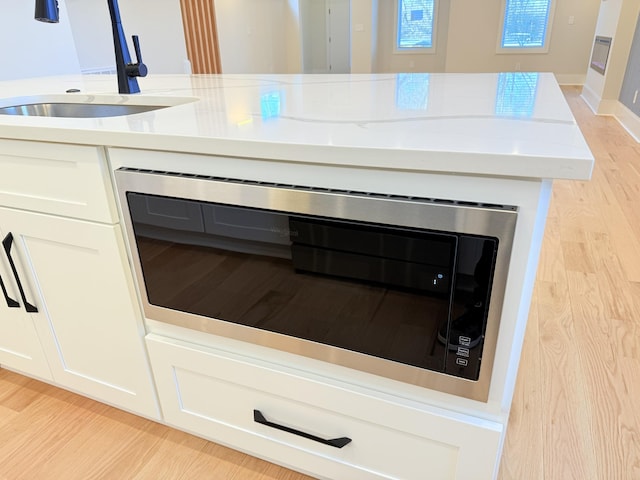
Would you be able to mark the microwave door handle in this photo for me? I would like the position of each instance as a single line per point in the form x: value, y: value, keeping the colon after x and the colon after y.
x: 7, y: 243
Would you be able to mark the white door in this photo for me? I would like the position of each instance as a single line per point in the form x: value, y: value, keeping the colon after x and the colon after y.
x: 326, y: 36
x: 87, y: 317
x: 20, y: 347
x: 338, y: 36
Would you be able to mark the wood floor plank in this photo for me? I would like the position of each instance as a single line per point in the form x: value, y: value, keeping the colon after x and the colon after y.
x: 588, y: 316
x: 173, y: 454
x: 125, y: 439
x: 619, y: 300
x: 17, y: 393
x: 526, y: 460
x: 551, y: 264
x: 216, y: 461
x: 6, y: 415
x: 565, y: 416
x: 604, y: 380
x: 63, y: 436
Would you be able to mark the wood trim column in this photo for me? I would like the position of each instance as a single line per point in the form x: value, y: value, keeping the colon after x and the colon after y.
x: 201, y: 35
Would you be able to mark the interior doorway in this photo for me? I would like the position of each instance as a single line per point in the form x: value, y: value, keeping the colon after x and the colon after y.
x: 326, y: 36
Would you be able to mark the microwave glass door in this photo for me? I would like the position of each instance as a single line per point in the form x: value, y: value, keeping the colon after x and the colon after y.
x: 375, y: 289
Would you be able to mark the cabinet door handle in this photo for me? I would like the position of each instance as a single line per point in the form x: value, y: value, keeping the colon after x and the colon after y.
x: 7, y: 243
x: 11, y: 303
x: 258, y: 417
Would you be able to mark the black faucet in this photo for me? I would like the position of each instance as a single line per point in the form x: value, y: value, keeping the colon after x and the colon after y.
x: 47, y: 11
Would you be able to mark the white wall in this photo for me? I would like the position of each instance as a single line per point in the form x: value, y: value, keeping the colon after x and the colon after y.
x: 467, y: 38
x: 89, y: 22
x: 363, y: 34
x: 609, y: 14
x: 33, y: 49
x: 617, y: 19
x: 620, y: 47
x: 265, y: 36
x: 158, y: 23
x: 252, y: 35
x: 256, y: 37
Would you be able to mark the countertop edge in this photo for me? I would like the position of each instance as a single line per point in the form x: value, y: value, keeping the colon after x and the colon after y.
x: 454, y: 163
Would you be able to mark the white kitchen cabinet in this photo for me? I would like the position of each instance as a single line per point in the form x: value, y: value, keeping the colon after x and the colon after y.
x: 85, y: 330
x: 72, y: 272
x: 66, y: 180
x: 217, y: 395
x: 209, y: 385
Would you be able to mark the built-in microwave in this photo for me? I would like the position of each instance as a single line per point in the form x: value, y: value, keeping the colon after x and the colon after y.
x: 403, y: 287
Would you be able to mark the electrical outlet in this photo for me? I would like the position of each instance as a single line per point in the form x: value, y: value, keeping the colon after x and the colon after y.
x: 572, y: 20
x: 517, y: 66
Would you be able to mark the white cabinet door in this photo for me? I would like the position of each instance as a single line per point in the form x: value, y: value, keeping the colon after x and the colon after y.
x: 20, y: 347
x: 87, y: 318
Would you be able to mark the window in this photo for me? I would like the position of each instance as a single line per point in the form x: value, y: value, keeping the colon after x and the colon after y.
x: 415, y: 26
x: 526, y: 24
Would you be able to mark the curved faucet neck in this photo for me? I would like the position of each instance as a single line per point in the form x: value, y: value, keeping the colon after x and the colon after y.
x: 126, y: 83
x: 47, y: 11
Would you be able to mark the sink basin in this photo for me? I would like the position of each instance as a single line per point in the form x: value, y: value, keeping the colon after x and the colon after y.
x: 76, y: 110
x: 85, y: 106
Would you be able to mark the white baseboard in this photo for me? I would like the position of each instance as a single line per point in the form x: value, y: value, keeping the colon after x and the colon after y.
x: 629, y: 121
x: 591, y: 98
x: 625, y: 117
x: 597, y: 104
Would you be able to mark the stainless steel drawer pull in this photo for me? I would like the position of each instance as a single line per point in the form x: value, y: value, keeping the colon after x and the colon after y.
x: 258, y: 417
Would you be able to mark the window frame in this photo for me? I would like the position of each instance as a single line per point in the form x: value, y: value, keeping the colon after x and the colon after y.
x: 525, y: 50
x: 416, y: 50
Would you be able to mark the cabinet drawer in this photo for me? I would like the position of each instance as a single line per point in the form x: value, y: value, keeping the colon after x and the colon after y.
x: 216, y: 396
x: 66, y: 180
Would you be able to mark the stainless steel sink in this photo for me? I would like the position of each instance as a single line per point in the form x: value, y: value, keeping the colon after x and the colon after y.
x: 86, y: 106
x: 76, y: 110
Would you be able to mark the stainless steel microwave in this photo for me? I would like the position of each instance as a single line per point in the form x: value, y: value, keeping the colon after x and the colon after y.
x: 403, y: 287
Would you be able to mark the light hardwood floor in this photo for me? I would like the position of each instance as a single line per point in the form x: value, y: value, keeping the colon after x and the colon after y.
x: 576, y: 411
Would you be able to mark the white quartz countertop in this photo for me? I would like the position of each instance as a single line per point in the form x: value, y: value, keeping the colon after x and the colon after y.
x: 506, y: 124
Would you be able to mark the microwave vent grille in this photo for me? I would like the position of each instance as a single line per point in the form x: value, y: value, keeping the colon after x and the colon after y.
x: 439, y: 201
